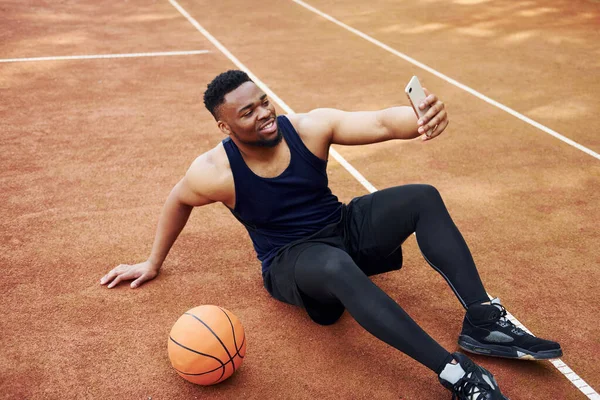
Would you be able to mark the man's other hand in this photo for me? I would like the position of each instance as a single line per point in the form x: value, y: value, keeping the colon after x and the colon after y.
x: 141, y: 272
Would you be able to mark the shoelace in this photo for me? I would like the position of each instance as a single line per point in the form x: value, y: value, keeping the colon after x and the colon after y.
x: 469, y: 388
x: 504, y: 321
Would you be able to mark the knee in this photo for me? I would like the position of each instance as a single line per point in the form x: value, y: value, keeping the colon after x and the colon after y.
x: 429, y: 195
x: 337, y: 269
x: 428, y: 191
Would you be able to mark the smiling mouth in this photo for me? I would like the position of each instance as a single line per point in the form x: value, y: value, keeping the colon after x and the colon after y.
x: 269, y: 127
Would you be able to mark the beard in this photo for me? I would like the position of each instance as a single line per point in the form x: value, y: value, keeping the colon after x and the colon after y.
x: 265, y: 143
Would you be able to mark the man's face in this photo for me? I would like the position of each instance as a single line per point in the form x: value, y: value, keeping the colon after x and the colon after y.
x: 248, y: 116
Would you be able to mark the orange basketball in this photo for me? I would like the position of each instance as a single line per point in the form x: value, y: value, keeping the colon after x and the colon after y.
x: 207, y: 344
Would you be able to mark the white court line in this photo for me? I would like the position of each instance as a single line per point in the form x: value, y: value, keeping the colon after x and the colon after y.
x: 96, y: 56
x: 564, y: 369
x: 334, y: 153
x: 452, y: 81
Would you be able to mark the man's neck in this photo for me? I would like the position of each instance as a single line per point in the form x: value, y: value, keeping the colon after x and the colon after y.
x: 258, y: 153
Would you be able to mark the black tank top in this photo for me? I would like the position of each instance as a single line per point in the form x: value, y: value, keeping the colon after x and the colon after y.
x: 277, y: 211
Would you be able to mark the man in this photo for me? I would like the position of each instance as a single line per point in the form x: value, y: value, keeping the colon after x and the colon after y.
x: 318, y: 253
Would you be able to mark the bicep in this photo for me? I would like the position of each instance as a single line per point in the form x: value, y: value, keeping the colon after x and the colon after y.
x: 201, y: 184
x: 352, y: 127
x: 187, y: 192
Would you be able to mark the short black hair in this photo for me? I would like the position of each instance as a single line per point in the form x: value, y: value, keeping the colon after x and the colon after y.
x: 224, y: 83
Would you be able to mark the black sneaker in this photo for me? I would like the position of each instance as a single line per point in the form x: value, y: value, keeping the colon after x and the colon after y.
x: 487, y: 331
x: 477, y: 383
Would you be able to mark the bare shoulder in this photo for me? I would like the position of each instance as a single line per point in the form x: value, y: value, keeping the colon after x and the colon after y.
x: 317, y: 122
x: 215, y: 160
x: 210, y: 175
x: 315, y: 129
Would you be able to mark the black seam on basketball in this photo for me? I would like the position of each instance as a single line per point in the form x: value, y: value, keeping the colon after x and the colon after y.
x: 201, y: 373
x: 202, y: 354
x: 237, y: 353
x: 213, y: 370
x: 223, y: 366
x: 207, y: 372
x: 232, y: 364
x: 232, y: 329
x: 216, y: 336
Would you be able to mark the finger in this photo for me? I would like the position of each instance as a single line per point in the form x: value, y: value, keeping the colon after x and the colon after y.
x: 114, y: 282
x: 442, y: 127
x: 108, y: 277
x: 429, y: 123
x: 121, y: 277
x: 429, y: 101
x: 113, y: 272
x: 433, y: 132
x: 437, y: 130
x: 435, y: 109
x: 435, y: 121
x: 139, y: 281
x: 432, y: 112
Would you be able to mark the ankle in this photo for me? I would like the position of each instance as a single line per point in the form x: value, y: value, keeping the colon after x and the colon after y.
x: 483, y: 313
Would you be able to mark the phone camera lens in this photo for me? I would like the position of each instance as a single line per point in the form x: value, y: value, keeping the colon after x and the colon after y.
x: 409, y: 90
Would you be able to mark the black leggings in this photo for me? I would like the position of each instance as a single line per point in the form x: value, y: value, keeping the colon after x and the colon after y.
x: 382, y: 222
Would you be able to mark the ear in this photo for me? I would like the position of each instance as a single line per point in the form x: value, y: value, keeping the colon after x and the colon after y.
x: 224, y: 127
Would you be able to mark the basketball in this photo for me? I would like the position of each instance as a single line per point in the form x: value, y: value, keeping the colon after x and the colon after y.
x: 207, y: 345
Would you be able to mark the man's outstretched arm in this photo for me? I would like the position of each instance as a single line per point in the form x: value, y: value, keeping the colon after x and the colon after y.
x: 365, y: 127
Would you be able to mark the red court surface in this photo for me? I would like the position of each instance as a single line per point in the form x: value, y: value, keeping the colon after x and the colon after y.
x: 92, y: 147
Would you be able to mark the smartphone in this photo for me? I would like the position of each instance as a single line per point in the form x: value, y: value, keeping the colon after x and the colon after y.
x: 416, y: 95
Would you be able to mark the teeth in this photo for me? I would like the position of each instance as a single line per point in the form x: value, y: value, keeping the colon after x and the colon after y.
x: 267, y: 126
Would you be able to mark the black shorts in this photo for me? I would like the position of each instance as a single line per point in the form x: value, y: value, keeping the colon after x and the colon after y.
x: 355, y: 234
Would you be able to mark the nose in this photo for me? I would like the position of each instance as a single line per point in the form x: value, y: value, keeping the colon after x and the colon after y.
x: 264, y: 113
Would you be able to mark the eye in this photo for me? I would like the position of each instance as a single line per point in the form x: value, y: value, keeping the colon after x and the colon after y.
x: 266, y: 102
x: 247, y: 114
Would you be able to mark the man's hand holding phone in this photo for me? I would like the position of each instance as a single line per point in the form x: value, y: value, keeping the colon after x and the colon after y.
x: 430, y: 111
